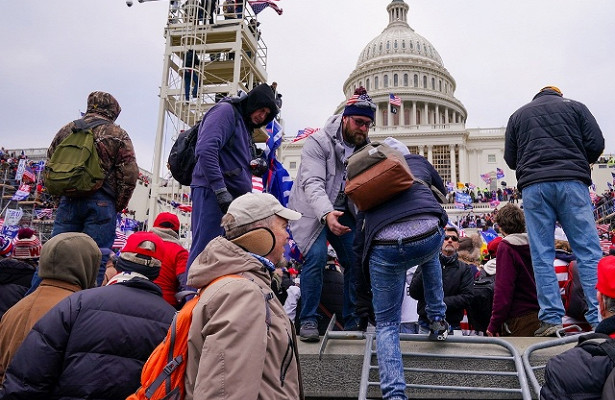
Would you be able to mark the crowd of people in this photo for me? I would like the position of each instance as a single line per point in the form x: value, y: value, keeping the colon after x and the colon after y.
x: 399, y: 265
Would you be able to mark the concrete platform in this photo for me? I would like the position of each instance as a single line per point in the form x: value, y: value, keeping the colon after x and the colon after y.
x: 459, y: 367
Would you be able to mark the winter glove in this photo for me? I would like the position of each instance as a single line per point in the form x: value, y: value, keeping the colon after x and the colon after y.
x: 224, y: 199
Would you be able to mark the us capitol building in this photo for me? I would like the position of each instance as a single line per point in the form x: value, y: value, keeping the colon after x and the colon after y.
x: 430, y: 120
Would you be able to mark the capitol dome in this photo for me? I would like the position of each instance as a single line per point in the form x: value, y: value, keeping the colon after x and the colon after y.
x: 403, y: 63
x: 398, y: 39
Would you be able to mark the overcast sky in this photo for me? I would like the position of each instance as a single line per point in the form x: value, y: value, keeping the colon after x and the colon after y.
x: 500, y: 54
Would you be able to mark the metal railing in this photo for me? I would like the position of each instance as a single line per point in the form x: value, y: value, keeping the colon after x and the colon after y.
x: 512, y: 372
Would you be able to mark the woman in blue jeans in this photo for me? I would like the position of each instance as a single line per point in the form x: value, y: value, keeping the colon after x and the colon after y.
x: 395, y: 236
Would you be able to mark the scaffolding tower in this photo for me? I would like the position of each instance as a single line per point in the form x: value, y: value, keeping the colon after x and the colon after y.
x: 231, y: 58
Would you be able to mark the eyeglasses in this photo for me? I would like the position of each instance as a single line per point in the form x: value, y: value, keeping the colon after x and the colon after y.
x: 453, y: 238
x: 361, y: 123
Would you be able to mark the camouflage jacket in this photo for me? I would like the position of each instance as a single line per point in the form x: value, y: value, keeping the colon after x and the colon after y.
x: 115, y: 150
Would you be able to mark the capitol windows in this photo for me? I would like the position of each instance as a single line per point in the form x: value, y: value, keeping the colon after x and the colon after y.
x: 386, y: 81
x: 403, y: 44
x: 292, y: 165
x: 411, y: 46
x: 395, y: 80
x: 388, y: 45
x: 375, y: 82
x: 425, y: 81
x: 367, y: 84
x: 433, y: 83
x: 380, y: 47
x: 416, y: 80
x: 405, y: 79
x: 395, y: 45
x: 491, y: 158
x: 440, y: 85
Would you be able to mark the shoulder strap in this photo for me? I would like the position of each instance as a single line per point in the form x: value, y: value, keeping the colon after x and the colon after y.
x: 608, y: 346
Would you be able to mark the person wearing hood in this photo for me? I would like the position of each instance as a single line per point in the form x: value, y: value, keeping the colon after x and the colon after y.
x: 515, y: 306
x: 95, y: 214
x: 224, y: 150
x: 68, y: 263
x: 174, y: 257
x: 93, y: 343
x: 18, y: 261
x: 328, y: 215
x: 241, y: 344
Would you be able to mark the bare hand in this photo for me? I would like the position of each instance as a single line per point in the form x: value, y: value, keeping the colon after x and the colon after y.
x: 334, y: 225
x: 492, y: 335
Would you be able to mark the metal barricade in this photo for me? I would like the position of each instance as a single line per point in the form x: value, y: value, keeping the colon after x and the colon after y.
x: 514, y: 372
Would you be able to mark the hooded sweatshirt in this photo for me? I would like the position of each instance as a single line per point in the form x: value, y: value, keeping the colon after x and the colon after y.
x: 240, y: 344
x: 115, y: 150
x: 69, y: 262
x: 515, y: 287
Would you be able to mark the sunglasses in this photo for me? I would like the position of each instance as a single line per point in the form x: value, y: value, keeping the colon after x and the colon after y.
x: 361, y: 123
x: 453, y: 238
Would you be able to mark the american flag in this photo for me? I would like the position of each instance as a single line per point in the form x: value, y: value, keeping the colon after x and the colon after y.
x: 120, y: 240
x: 28, y: 175
x: 303, y: 133
x: 257, y: 184
x: 499, y: 173
x: 394, y: 100
x: 44, y: 213
x: 260, y: 5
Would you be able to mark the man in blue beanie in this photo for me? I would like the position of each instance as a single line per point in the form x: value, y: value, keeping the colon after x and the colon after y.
x: 328, y: 215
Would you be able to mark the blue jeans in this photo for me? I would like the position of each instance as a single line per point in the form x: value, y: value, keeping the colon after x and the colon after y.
x: 191, y: 80
x: 312, y: 272
x: 94, y: 215
x: 569, y: 203
x: 387, y: 268
x: 205, y: 222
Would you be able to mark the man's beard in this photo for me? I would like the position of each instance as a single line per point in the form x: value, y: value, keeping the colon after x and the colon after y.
x: 282, y: 263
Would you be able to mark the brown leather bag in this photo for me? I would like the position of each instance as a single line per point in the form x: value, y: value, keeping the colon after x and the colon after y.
x: 375, y: 174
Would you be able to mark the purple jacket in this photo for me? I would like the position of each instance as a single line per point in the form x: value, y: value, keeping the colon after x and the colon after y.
x: 223, y: 151
x: 515, y: 287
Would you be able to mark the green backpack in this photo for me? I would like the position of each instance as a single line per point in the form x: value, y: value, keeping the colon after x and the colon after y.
x: 74, y: 168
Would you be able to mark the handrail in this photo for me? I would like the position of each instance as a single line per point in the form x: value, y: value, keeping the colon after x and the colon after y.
x: 369, y: 337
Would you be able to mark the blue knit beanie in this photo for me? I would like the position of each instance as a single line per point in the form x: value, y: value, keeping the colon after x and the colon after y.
x: 360, y: 104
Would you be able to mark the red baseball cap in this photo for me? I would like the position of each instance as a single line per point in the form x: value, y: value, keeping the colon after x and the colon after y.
x: 167, y: 220
x: 606, y: 276
x: 143, y: 248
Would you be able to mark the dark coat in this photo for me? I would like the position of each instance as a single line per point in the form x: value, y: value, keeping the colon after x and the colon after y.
x: 419, y: 199
x: 92, y: 344
x: 15, y: 279
x: 580, y: 373
x: 458, y: 284
x: 552, y: 139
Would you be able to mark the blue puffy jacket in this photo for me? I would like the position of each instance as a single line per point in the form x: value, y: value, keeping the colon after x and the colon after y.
x: 91, y: 345
x: 552, y: 138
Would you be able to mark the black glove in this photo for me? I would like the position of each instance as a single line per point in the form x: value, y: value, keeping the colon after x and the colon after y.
x: 224, y: 200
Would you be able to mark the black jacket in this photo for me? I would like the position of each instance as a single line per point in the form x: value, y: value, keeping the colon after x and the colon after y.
x: 552, y: 139
x: 91, y: 345
x: 580, y: 373
x: 15, y: 279
x: 458, y: 284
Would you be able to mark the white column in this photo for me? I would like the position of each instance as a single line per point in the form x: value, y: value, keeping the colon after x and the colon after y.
x: 426, y: 115
x: 430, y: 153
x: 413, y: 114
x: 402, y: 117
x: 446, y: 120
x: 377, y: 120
x: 453, y: 168
x: 463, y: 161
x: 436, y: 119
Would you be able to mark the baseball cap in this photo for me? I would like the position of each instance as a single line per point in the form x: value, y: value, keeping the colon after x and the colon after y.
x: 167, y: 220
x: 606, y: 276
x: 252, y: 207
x: 143, y: 248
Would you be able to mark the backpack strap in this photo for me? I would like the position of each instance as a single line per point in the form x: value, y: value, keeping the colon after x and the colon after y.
x: 608, y: 346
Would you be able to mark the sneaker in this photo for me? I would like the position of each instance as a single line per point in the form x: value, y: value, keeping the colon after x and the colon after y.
x: 547, y: 329
x: 438, y: 329
x: 309, y: 332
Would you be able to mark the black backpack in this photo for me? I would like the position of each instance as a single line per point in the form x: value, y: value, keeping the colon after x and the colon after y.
x: 182, y: 160
x: 481, y: 304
